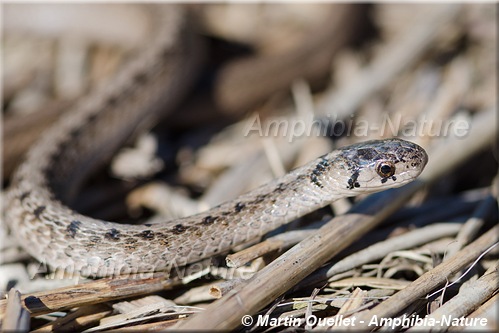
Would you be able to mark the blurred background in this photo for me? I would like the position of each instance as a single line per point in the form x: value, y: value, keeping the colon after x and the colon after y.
x: 358, y: 72
x: 352, y: 72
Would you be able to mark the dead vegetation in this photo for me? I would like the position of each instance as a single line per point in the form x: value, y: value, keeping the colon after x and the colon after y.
x: 349, y: 73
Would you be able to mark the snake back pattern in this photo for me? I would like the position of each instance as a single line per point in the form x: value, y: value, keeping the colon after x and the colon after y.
x: 36, y: 205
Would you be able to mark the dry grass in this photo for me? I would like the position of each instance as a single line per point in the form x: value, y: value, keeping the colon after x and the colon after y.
x: 425, y: 249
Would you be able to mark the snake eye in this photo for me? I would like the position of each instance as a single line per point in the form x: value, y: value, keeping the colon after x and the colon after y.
x: 385, y: 169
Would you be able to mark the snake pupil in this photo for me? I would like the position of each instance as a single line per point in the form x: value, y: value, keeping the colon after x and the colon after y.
x: 385, y: 169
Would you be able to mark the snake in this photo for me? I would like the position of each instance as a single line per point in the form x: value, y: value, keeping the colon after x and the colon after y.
x: 37, y: 208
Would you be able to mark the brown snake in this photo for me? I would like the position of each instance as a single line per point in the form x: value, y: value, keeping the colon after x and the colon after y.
x: 88, y: 136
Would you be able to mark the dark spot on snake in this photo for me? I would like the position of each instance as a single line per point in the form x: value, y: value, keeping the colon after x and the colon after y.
x: 394, y: 178
x: 383, y: 180
x: 130, y: 241
x: 73, y: 227
x: 280, y: 187
x: 112, y: 234
x: 24, y: 195
x: 209, y: 220
x: 366, y: 153
x: 130, y: 247
x: 226, y: 213
x: 352, y: 182
x: 38, y: 211
x: 322, y: 166
x: 148, y: 224
x: 239, y: 207
x: 259, y: 198
x: 146, y: 234
x: 319, y: 170
x: 316, y: 181
x: 162, y: 241
x: 178, y: 229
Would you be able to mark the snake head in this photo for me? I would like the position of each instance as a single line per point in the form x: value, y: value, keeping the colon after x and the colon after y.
x: 379, y: 164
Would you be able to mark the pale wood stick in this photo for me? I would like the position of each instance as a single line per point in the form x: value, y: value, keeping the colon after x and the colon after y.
x: 401, y: 53
x: 219, y: 289
x: 467, y: 300
x: 373, y: 282
x: 428, y: 281
x: 454, y: 151
x: 75, y: 321
x: 157, y: 326
x: 472, y: 225
x: 295, y: 264
x: 92, y: 292
x: 278, y: 242
x: 196, y: 295
x: 353, y: 304
x: 381, y: 249
x: 311, y: 253
x: 488, y: 310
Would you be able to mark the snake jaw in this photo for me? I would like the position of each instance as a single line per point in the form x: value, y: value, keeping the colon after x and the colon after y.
x: 379, y: 164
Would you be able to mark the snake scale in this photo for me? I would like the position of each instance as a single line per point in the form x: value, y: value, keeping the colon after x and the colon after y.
x: 36, y: 204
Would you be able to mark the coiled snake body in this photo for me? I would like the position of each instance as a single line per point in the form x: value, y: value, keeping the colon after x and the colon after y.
x: 90, y: 134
